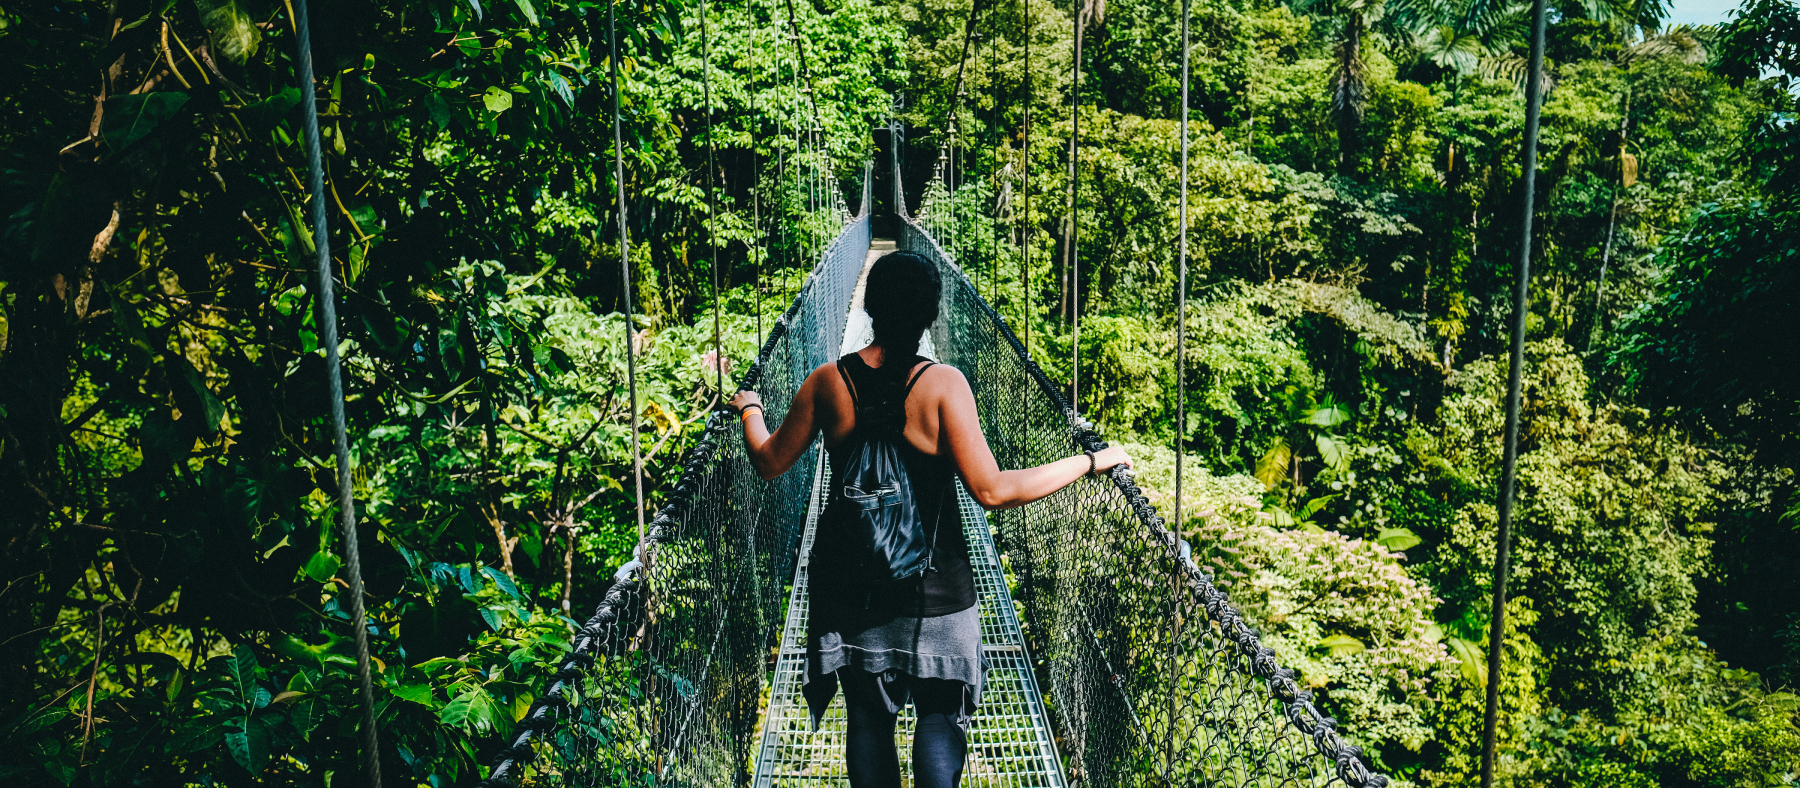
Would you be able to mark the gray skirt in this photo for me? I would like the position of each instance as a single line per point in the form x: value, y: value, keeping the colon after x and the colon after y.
x: 936, y: 647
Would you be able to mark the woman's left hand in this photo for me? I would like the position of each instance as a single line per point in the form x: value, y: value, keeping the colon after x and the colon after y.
x: 745, y: 399
x: 1105, y: 459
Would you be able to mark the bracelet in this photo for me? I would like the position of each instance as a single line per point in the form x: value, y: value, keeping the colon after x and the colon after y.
x: 744, y: 412
x: 1092, y: 463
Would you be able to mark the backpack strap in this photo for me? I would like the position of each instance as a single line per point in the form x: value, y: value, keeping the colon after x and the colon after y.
x: 915, y: 378
x: 845, y: 374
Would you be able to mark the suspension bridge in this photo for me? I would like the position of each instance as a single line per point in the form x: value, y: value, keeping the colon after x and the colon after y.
x: 1114, y: 660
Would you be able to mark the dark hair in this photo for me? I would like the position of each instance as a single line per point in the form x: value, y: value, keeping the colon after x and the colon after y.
x: 901, y: 297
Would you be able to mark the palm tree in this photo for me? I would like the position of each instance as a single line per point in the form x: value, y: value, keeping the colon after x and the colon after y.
x: 1683, y: 43
x: 1348, y: 89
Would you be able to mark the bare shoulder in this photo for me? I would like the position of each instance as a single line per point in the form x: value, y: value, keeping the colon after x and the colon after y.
x: 821, y: 377
x: 942, y: 379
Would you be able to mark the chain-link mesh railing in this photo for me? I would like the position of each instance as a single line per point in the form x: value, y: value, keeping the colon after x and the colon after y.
x: 663, y: 684
x: 1152, y: 677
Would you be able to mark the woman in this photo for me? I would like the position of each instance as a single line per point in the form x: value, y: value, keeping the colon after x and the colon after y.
x: 917, y: 639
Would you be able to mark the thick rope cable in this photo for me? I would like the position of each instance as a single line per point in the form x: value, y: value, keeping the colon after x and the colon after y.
x: 1534, y: 105
x: 637, y: 457
x: 328, y: 334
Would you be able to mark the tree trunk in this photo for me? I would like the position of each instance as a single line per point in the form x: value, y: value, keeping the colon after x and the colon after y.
x: 1612, y: 219
x: 1347, y: 95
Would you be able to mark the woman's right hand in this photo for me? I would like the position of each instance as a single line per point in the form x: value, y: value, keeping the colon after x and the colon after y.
x: 1106, y: 459
x: 745, y: 399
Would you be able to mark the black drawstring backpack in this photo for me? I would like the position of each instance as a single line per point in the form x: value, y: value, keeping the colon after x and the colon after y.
x: 882, y: 520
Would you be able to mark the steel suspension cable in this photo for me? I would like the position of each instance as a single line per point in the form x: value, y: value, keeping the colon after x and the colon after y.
x: 756, y: 226
x: 1073, y: 249
x: 1534, y: 105
x: 1180, y: 371
x: 994, y: 177
x: 1025, y: 308
x: 956, y: 98
x: 712, y: 201
x: 782, y: 170
x: 327, y: 322
x: 637, y: 456
x: 1181, y: 281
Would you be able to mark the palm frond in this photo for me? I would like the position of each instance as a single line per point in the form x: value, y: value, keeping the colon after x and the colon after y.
x: 1683, y: 43
x: 1451, y: 48
x: 1514, y: 69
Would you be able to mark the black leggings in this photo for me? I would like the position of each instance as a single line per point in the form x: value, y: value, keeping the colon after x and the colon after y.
x: 938, y: 742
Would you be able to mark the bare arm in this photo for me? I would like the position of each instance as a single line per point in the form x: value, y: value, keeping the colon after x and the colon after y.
x: 773, y: 454
x: 994, y: 488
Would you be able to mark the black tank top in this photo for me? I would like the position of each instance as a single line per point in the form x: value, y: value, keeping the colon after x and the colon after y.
x: 842, y: 601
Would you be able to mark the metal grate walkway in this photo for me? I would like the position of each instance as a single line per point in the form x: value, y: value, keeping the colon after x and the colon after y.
x: 1010, y: 745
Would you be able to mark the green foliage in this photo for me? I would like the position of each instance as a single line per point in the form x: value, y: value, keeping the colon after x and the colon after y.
x: 1613, y: 515
x: 170, y: 541
x: 1352, y: 223
x: 1455, y: 757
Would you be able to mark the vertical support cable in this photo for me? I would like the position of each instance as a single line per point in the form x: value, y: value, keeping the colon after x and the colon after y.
x: 712, y: 202
x: 1073, y: 251
x: 950, y: 155
x: 994, y: 168
x: 637, y: 457
x: 1180, y: 388
x: 756, y: 225
x: 1534, y: 105
x: 327, y: 323
x: 1181, y: 283
x: 1025, y: 196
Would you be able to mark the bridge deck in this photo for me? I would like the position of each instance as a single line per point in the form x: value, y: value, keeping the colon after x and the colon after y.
x: 1010, y: 744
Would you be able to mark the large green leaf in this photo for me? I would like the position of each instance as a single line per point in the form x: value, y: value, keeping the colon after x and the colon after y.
x: 308, y: 713
x: 505, y: 583
x: 474, y: 710
x: 1329, y: 414
x: 1473, y: 660
x: 496, y: 99
x: 322, y: 566
x: 240, y: 675
x: 1272, y: 468
x: 61, y: 760
x: 1397, y: 539
x: 195, y: 399
x: 335, y: 650
x: 249, y: 741
x: 421, y: 694
x: 196, y: 736
x: 1342, y: 645
x: 269, y: 112
x: 130, y: 118
x: 1335, y: 452
x: 234, y: 32
x: 307, y: 710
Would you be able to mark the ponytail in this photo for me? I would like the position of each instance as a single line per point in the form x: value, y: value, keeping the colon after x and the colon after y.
x: 902, y: 298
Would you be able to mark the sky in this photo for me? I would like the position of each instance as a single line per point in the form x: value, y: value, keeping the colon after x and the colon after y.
x: 1701, y: 12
